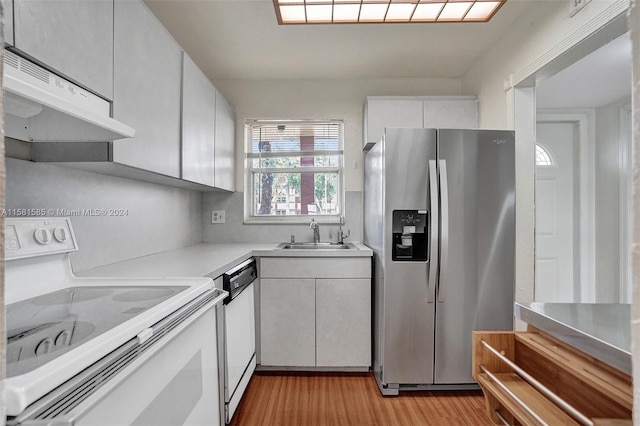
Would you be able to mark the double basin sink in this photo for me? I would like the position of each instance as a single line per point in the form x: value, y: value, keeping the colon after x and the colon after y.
x: 316, y: 246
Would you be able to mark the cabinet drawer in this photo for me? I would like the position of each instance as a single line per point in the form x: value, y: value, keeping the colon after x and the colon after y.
x: 315, y: 267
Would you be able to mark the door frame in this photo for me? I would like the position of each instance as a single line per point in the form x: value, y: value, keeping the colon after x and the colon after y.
x: 584, y: 120
x: 626, y: 196
x: 521, y: 116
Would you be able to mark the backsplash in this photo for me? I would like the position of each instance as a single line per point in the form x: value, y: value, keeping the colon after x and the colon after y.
x: 234, y: 230
x: 141, y: 218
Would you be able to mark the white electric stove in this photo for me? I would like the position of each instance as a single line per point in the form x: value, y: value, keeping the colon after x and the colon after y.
x: 103, y: 350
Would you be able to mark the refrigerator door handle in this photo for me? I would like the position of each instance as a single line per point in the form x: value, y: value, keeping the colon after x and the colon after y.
x: 444, y: 237
x: 433, y: 244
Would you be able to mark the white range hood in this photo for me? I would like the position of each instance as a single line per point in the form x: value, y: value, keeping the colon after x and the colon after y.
x: 40, y: 106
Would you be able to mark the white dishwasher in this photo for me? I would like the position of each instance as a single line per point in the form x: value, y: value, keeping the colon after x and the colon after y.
x: 238, y: 329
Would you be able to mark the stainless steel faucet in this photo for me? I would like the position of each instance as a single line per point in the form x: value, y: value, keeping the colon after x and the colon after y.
x: 316, y: 231
x: 341, y: 235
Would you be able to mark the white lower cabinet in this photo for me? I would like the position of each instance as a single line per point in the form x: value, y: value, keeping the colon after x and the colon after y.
x: 287, y: 326
x: 315, y: 313
x: 343, y: 322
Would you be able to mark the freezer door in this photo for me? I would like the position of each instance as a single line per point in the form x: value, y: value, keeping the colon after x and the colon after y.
x: 406, y: 330
x: 476, y: 282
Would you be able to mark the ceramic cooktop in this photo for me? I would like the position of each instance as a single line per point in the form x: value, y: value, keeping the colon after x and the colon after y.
x: 45, y: 327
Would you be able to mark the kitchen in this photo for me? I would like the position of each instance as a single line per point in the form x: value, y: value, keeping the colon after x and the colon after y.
x: 162, y: 218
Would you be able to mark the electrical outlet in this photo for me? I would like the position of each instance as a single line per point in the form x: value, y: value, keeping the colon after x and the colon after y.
x: 217, y: 216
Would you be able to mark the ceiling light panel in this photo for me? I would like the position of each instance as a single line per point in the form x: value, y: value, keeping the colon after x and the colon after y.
x: 346, y: 12
x: 400, y: 12
x: 454, y: 11
x: 427, y: 12
x: 384, y: 11
x: 319, y: 12
x: 481, y: 9
x: 373, y: 12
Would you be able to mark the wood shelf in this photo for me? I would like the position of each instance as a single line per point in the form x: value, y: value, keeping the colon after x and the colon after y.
x: 548, y: 411
x: 544, y: 380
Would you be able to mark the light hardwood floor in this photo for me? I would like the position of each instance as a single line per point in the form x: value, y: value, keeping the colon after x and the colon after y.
x: 319, y: 399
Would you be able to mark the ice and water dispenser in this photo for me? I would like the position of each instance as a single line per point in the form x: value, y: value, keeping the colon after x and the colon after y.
x: 410, y: 237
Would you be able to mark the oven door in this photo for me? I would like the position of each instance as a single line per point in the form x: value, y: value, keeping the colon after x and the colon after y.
x: 171, y: 383
x: 174, y: 386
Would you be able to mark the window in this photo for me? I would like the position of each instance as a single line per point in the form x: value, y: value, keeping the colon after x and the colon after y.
x: 293, y: 170
x: 543, y: 157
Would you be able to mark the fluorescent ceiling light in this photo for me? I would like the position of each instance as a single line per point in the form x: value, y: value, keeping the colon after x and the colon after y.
x: 346, y: 12
x: 319, y: 12
x: 481, y: 9
x: 384, y: 11
x: 400, y: 12
x: 373, y: 12
x: 292, y: 14
x: 427, y: 12
x: 454, y: 11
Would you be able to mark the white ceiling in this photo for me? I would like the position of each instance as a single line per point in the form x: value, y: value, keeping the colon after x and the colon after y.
x: 596, y: 80
x: 241, y: 39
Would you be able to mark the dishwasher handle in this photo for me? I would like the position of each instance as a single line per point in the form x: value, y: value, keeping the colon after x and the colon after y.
x: 237, y: 279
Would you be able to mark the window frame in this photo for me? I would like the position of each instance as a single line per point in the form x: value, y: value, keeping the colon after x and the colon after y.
x: 276, y: 219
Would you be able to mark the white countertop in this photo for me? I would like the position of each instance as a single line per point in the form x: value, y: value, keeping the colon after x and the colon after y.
x: 207, y: 260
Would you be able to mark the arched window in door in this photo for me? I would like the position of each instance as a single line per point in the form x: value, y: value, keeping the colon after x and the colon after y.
x: 543, y: 157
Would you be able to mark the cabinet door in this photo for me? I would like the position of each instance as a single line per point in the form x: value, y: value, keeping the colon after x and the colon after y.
x: 147, y: 80
x: 390, y: 113
x: 7, y: 21
x: 198, y: 115
x: 451, y: 114
x: 343, y: 322
x: 225, y: 144
x: 287, y: 322
x: 74, y: 38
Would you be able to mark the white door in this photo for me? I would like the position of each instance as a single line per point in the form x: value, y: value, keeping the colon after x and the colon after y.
x: 555, y: 211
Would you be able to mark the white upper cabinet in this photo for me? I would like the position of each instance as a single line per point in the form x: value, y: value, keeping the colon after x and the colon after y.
x: 225, y: 144
x: 73, y: 38
x: 208, y: 131
x: 198, y: 125
x: 391, y: 112
x: 7, y: 21
x: 450, y: 113
x: 147, y: 82
x: 457, y: 112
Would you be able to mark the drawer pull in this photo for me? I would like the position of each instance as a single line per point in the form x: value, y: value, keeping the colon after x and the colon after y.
x: 581, y: 418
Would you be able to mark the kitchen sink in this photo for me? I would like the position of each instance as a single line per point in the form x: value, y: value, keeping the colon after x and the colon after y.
x: 316, y: 246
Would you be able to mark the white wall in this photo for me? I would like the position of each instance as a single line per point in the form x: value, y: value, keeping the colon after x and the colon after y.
x: 307, y: 99
x: 607, y: 201
x: 536, y: 36
x: 158, y: 218
x: 322, y: 99
x: 235, y: 231
x: 534, y: 42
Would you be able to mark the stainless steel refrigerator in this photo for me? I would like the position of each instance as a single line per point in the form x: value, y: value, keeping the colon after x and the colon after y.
x: 439, y: 216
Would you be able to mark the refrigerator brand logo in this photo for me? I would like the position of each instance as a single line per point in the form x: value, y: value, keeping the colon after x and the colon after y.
x: 499, y: 141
